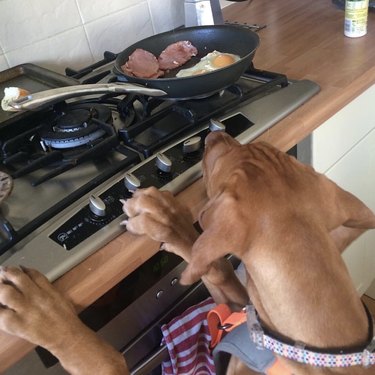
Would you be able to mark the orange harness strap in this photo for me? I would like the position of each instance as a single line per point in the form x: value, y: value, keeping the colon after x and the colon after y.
x: 278, y: 368
x: 222, y: 320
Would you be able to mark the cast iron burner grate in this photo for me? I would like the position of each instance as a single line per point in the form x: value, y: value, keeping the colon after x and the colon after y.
x: 70, y: 135
x: 76, y: 127
x: 161, y: 121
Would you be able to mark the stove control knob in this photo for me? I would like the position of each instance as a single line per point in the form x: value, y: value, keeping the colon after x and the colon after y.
x: 97, y: 206
x: 192, y: 144
x: 216, y: 125
x: 163, y: 162
x: 131, y: 182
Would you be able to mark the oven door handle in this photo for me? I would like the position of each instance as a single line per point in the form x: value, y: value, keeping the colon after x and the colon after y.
x: 152, y: 361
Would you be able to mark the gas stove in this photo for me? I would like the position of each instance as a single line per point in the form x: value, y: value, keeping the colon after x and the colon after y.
x: 72, y: 162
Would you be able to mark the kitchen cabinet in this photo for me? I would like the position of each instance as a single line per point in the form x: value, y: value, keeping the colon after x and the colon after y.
x: 343, y: 148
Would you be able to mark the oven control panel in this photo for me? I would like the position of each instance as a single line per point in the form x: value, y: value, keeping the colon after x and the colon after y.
x: 159, y: 170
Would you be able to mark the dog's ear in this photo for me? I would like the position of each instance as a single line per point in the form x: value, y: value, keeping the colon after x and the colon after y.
x: 209, y: 247
x: 206, y: 248
x: 221, y: 235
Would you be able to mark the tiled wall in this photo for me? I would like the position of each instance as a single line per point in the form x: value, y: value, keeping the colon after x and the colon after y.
x: 60, y: 33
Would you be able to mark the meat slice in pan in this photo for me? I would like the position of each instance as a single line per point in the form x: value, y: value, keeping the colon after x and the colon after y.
x: 176, y: 54
x: 142, y: 64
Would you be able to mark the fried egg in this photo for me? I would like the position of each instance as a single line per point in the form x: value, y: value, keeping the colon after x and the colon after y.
x: 212, y: 61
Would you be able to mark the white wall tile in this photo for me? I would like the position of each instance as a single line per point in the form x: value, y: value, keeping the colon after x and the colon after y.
x: 23, y: 22
x: 93, y: 9
x: 117, y: 31
x: 3, y: 63
x: 166, y: 14
x: 51, y: 32
x: 68, y: 49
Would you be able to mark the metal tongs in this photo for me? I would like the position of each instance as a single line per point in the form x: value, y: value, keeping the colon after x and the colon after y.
x: 40, y: 99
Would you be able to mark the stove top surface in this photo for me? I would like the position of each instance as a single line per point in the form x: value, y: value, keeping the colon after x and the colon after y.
x: 77, y: 159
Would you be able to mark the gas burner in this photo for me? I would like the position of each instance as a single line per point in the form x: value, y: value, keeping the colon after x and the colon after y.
x: 75, y: 126
x: 74, y: 120
x: 68, y: 136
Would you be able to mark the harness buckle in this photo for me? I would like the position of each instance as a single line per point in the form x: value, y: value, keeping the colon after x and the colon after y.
x: 367, y: 354
x: 224, y: 327
x: 255, y: 329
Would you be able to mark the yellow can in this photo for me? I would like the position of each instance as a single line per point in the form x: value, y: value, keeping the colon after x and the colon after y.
x: 356, y: 14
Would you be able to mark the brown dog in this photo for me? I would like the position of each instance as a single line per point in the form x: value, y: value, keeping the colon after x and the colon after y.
x: 287, y: 223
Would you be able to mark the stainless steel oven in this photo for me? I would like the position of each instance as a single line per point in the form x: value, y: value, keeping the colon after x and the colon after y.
x: 130, y: 316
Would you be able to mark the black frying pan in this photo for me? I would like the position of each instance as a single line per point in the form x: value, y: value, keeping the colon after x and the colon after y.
x: 224, y: 38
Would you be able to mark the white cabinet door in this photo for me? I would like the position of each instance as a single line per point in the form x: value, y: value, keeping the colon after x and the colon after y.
x: 355, y: 172
x: 343, y: 148
x: 339, y: 134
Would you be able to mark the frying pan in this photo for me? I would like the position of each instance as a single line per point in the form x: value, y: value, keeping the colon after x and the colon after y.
x: 234, y: 39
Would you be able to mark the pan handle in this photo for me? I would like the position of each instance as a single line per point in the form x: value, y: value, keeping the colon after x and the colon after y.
x: 39, y: 99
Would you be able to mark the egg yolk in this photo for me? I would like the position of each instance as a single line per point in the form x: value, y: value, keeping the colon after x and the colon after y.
x: 222, y: 60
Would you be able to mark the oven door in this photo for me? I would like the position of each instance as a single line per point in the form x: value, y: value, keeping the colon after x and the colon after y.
x: 135, y: 330
x: 143, y: 319
x: 147, y: 345
x: 130, y: 316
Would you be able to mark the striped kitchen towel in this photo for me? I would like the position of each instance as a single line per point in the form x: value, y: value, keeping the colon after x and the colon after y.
x: 188, y: 341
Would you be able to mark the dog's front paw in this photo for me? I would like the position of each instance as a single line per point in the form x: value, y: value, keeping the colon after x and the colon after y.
x: 31, y: 308
x: 160, y: 216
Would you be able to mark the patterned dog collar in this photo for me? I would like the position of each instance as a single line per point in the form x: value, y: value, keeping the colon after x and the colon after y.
x: 298, y: 352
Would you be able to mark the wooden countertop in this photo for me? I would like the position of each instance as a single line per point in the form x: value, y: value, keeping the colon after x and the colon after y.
x: 303, y: 39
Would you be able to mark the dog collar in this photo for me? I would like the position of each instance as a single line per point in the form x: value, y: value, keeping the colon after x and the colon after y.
x: 299, y: 352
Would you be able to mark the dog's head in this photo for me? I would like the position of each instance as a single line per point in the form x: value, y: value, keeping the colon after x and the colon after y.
x: 251, y: 188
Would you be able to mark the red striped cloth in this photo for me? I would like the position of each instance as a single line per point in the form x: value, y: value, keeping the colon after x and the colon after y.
x: 188, y: 340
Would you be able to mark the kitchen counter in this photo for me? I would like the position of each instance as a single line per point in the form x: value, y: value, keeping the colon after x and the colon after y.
x: 303, y: 39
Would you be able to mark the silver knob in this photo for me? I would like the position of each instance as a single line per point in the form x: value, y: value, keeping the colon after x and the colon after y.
x: 216, y: 125
x: 163, y: 162
x: 192, y: 144
x: 159, y: 294
x: 97, y: 206
x: 131, y: 182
